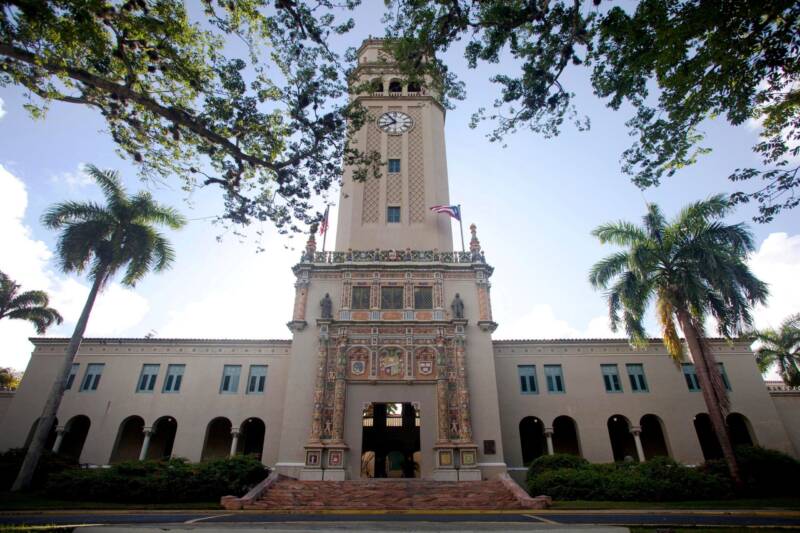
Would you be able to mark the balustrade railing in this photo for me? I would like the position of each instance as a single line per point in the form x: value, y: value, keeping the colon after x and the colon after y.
x: 389, y: 256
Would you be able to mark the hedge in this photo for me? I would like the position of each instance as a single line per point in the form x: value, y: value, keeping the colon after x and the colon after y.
x: 175, y: 480
x: 567, y: 477
x: 49, y: 464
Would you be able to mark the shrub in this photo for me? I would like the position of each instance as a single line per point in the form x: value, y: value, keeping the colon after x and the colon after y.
x: 659, y: 479
x: 49, y: 464
x: 175, y: 480
x: 545, y: 463
x: 768, y: 472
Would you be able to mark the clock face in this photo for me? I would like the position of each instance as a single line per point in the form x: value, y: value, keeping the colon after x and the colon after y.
x: 395, y: 122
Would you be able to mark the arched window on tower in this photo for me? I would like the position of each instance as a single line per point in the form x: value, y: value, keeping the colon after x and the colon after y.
x: 395, y: 88
x: 376, y: 86
x: 414, y: 88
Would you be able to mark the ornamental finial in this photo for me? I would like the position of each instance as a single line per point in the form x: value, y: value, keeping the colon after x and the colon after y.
x: 474, y: 243
x: 311, y: 243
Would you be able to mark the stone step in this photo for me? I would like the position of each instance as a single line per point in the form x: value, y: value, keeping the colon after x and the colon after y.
x: 292, y: 494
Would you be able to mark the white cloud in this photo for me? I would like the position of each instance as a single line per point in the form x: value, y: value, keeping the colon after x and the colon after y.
x: 74, y: 179
x: 541, y: 323
x: 777, y: 262
x: 27, y: 261
x: 2, y: 108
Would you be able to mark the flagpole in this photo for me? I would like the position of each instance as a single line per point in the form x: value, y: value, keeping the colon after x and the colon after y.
x: 461, y: 227
x: 325, y: 235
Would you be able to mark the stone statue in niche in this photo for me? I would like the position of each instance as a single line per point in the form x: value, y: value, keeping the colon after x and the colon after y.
x: 457, y: 306
x: 326, y: 306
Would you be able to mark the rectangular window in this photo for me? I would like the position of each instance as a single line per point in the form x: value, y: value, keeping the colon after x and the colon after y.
x: 636, y: 376
x: 423, y: 297
x: 394, y: 166
x: 230, y: 379
x: 71, y: 377
x: 147, y: 378
x: 360, y: 298
x: 611, y: 378
x: 690, y: 376
x: 258, y: 379
x: 393, y: 214
x: 555, y: 378
x: 724, y: 376
x: 92, y: 377
x: 391, y: 297
x: 527, y: 379
x: 174, y: 378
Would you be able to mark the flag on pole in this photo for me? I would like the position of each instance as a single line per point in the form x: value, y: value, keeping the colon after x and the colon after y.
x: 452, y: 210
x: 323, y: 226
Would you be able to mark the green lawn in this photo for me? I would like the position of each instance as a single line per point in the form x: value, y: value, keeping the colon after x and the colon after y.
x: 15, y: 501
x: 750, y: 503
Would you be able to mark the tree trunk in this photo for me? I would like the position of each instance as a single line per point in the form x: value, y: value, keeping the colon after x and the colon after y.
x: 36, y: 447
x: 704, y: 365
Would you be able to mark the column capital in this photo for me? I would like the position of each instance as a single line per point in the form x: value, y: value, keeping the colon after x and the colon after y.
x: 148, y: 430
x: 548, y: 432
x: 636, y: 430
x: 61, y: 430
x: 236, y: 432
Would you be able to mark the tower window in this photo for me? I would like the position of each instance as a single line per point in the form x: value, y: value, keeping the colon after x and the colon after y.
x: 395, y: 86
x: 393, y: 214
x: 394, y: 166
x: 423, y: 298
x: 360, y: 298
x: 391, y: 297
x: 414, y: 87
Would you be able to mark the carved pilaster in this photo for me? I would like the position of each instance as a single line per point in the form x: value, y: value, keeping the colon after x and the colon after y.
x: 464, y: 418
x: 339, y: 391
x: 319, y: 386
x: 442, y: 401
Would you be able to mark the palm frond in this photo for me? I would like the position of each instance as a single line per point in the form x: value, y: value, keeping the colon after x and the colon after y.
x: 606, y: 269
x: 620, y: 233
x: 145, y: 210
x: 665, y: 313
x: 111, y: 185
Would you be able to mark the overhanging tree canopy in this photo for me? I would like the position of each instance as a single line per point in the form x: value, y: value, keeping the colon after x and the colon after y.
x: 737, y: 60
x: 270, y: 127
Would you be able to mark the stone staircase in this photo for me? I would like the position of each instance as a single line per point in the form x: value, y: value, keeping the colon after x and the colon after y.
x: 385, y: 494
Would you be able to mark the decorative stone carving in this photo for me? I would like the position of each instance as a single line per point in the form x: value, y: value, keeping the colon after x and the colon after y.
x: 326, y: 306
x: 457, y: 307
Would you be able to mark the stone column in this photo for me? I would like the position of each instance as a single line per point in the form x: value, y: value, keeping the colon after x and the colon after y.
x: 465, y: 422
x: 636, y: 431
x: 319, y: 386
x: 548, y: 435
x: 235, y: 432
x: 148, y: 432
x: 339, y: 392
x: 441, y: 393
x: 60, y: 430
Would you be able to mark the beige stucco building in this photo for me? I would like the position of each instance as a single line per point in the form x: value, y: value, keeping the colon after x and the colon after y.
x: 391, y: 369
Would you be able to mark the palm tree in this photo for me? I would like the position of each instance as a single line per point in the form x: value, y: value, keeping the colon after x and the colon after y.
x: 101, y: 240
x: 692, y: 267
x: 781, y: 347
x: 28, y: 305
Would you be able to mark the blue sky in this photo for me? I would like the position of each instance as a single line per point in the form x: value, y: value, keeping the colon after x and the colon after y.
x: 534, y: 202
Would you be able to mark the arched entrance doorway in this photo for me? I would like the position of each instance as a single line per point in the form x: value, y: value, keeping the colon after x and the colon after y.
x: 654, y: 441
x: 164, y: 430
x: 75, y: 433
x: 565, y: 436
x: 708, y: 439
x: 531, y: 439
x: 390, y: 442
x: 218, y: 439
x: 129, y: 440
x: 622, y: 443
x: 740, y: 431
x: 251, y: 438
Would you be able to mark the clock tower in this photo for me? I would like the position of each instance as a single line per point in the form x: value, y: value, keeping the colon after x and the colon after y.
x: 406, y: 127
x: 391, y: 372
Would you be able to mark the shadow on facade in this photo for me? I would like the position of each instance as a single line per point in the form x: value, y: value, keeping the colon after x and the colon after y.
x: 654, y: 439
x: 75, y: 433
x: 531, y: 439
x: 622, y: 443
x: 129, y: 440
x: 565, y: 436
x: 251, y: 441
x: 217, y: 444
x: 163, y: 438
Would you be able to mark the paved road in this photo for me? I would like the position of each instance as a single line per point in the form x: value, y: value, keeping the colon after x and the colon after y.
x: 206, y: 518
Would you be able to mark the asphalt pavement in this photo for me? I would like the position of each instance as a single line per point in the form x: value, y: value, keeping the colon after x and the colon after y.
x: 481, y: 520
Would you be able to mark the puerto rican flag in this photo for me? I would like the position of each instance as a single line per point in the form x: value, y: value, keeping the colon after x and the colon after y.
x: 323, y: 225
x: 452, y: 210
